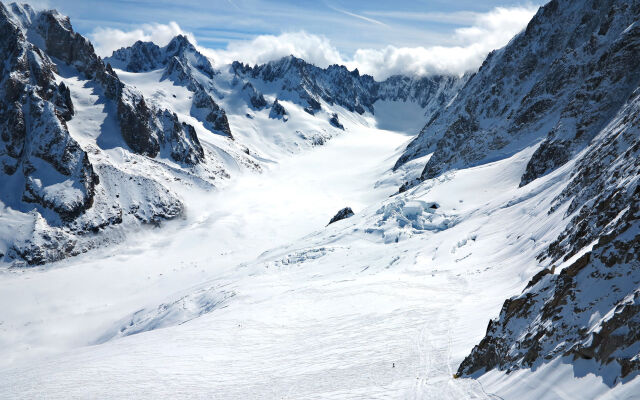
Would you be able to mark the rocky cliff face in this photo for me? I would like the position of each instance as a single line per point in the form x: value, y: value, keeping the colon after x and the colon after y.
x: 39, y: 158
x: 559, y: 81
x: 590, y: 308
x: 585, y: 303
x: 142, y: 127
x: 63, y: 189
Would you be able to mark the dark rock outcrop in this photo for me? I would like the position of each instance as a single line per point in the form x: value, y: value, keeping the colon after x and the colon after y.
x: 345, y: 213
x: 278, y: 111
x: 213, y: 116
x: 256, y: 99
x: 334, y: 121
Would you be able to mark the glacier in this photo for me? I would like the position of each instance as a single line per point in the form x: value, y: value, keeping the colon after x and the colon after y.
x: 171, y: 239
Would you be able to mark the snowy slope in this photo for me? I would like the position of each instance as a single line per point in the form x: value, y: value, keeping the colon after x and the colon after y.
x: 567, y: 86
x: 250, y: 294
x: 384, y: 304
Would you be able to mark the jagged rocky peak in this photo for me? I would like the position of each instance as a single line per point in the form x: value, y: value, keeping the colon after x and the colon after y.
x: 179, y: 53
x: 21, y: 14
x: 349, y: 89
x: 141, y: 56
x: 335, y: 84
x: 52, y: 33
x: 140, y: 124
x: 559, y: 81
x: 184, y: 65
x: 585, y: 302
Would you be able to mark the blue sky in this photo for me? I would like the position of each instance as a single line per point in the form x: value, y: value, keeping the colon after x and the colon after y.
x: 345, y: 26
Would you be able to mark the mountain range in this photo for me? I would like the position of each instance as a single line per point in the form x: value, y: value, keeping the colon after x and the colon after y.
x: 542, y: 142
x: 67, y: 184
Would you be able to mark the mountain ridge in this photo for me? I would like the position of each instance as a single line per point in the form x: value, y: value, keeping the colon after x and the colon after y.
x: 71, y: 185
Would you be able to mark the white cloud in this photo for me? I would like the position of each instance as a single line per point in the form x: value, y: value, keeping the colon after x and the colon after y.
x: 490, y: 31
x: 498, y: 26
x: 106, y: 40
x: 264, y: 48
x: 471, y: 44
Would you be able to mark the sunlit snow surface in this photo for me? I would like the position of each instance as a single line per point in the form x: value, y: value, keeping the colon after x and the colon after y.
x: 251, y: 296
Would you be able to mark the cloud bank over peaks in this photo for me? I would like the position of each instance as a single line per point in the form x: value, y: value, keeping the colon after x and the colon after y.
x: 314, y: 49
x: 467, y: 48
x: 490, y: 31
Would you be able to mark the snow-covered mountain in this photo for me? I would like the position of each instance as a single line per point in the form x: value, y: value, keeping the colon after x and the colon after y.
x: 93, y: 148
x: 58, y: 167
x: 569, y: 85
x: 561, y: 81
x: 300, y: 81
x: 519, y: 181
x: 183, y: 65
x: 243, y: 90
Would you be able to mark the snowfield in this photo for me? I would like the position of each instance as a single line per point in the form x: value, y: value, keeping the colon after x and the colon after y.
x: 249, y: 295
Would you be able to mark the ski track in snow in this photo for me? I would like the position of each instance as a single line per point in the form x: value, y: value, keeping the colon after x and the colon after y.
x: 251, y: 296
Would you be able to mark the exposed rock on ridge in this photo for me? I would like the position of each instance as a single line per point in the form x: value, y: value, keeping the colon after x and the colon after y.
x: 184, y: 65
x: 590, y: 309
x: 309, y: 84
x: 38, y: 153
x: 559, y: 81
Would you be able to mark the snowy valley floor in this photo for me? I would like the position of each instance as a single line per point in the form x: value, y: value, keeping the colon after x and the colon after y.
x: 251, y: 296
